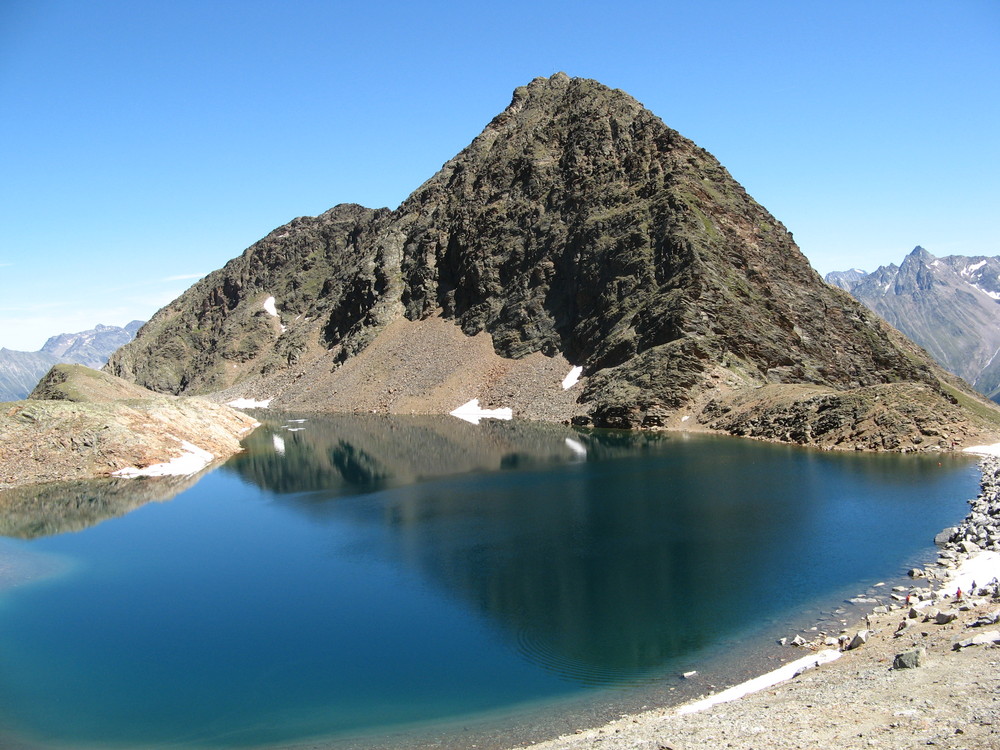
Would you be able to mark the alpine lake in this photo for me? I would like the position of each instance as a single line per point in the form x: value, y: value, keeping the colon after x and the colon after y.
x: 370, y: 581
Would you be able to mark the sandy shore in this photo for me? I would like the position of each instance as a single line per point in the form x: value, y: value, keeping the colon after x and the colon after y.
x: 857, y: 698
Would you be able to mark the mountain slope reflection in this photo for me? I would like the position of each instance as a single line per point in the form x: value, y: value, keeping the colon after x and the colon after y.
x: 605, y: 567
x: 58, y: 507
x: 371, y: 452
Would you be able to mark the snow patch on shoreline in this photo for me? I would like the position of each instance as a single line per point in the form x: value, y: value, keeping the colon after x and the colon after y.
x: 471, y: 412
x: 781, y: 674
x: 981, y: 568
x: 248, y: 403
x: 572, y: 378
x: 194, y: 460
x: 984, y: 450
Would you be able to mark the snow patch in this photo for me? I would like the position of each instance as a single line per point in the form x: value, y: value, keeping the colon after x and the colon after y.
x: 984, y: 450
x: 248, y: 403
x: 194, y: 460
x: 980, y: 568
x: 969, y: 270
x: 279, y: 444
x: 572, y: 378
x: 271, y: 310
x: 780, y: 674
x: 471, y: 412
x: 987, y: 292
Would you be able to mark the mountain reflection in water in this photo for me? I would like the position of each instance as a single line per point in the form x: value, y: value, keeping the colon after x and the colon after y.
x: 598, y: 574
x: 358, y: 574
x: 58, y: 507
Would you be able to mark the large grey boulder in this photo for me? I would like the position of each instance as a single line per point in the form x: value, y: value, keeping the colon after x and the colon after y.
x: 910, y: 659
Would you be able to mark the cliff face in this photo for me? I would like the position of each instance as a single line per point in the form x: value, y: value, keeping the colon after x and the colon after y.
x: 950, y: 306
x: 577, y: 228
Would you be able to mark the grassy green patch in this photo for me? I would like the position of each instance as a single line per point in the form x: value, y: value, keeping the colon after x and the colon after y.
x: 977, y: 407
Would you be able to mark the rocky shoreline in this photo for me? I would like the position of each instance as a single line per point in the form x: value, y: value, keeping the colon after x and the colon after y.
x: 919, y: 670
x: 81, y: 424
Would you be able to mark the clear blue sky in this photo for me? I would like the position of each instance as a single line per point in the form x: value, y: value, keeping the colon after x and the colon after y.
x: 146, y: 143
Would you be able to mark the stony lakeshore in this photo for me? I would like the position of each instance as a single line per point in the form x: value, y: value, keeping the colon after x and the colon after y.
x: 922, y: 670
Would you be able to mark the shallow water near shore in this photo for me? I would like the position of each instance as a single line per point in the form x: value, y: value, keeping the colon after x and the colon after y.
x: 374, y: 581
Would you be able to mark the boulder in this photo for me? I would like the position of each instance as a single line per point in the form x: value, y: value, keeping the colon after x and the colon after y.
x: 990, y: 636
x: 860, y: 639
x: 944, y: 536
x: 946, y: 616
x: 909, y: 659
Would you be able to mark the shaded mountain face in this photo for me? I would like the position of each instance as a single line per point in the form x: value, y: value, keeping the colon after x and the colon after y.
x: 576, y: 228
x: 21, y: 371
x: 950, y: 306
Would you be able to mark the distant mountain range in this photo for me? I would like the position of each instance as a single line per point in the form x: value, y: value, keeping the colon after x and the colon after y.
x: 21, y: 371
x: 950, y: 306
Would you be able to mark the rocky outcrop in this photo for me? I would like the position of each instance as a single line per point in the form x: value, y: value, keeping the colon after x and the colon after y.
x: 20, y: 371
x: 950, y: 306
x: 576, y: 227
x: 87, y: 429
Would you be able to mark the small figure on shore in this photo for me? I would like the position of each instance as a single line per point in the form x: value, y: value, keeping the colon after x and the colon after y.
x: 958, y: 594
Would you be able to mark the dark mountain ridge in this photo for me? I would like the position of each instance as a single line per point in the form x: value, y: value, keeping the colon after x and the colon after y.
x: 576, y: 227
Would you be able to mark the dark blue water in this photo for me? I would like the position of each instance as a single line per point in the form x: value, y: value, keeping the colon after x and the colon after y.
x: 348, y: 577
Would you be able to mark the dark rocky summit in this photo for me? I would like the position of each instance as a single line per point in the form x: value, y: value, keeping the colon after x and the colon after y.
x: 576, y: 229
x: 950, y: 306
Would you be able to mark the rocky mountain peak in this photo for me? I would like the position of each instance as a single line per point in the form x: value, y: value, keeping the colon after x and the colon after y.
x: 576, y: 228
x: 948, y: 305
